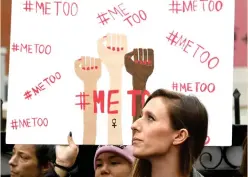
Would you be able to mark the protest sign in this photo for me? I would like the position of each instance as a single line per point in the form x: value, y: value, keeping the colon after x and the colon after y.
x: 87, y: 66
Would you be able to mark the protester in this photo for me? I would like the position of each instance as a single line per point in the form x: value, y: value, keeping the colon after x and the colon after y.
x: 169, y: 135
x: 30, y: 160
x: 167, y: 138
x: 37, y: 160
x: 114, y: 161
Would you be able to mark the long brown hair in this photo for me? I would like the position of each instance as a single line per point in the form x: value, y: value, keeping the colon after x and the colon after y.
x: 243, y: 168
x: 184, y: 112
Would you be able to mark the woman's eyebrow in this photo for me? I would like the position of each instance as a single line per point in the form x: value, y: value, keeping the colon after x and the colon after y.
x: 113, y: 156
x: 148, y: 112
x: 98, y: 160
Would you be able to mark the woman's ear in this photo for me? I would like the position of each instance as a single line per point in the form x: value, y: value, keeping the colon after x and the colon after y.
x: 180, y: 136
x: 46, y: 168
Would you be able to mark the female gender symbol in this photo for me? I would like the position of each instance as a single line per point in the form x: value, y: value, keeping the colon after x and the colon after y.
x: 114, y: 123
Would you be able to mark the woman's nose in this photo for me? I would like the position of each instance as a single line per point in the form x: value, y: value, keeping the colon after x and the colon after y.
x: 136, y: 125
x: 105, y: 169
x: 133, y: 126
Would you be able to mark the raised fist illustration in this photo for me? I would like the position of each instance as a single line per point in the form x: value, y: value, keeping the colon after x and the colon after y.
x: 141, y: 67
x: 88, y: 69
x: 112, y: 49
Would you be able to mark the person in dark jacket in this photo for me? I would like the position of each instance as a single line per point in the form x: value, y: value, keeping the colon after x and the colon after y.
x: 43, y: 160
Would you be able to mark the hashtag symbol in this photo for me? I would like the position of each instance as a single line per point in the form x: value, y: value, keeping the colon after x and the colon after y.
x: 174, y: 86
x: 102, y: 18
x: 28, y: 6
x: 175, y: 6
x: 172, y: 37
x: 27, y: 95
x: 15, y: 47
x: 14, y: 124
x: 82, y: 103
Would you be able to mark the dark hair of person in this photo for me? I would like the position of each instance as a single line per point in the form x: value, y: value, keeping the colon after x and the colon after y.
x: 184, y: 112
x: 45, y: 154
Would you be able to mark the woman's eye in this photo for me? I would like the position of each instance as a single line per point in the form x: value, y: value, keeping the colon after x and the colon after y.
x: 150, y: 117
x: 98, y: 165
x: 115, y: 163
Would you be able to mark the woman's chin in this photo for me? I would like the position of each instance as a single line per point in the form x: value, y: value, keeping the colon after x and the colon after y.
x: 138, y: 152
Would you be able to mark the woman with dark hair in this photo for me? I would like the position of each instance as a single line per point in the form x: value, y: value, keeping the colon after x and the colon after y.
x: 169, y: 135
x: 113, y: 160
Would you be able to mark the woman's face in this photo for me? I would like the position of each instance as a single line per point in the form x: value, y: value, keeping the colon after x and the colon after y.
x: 152, y: 133
x: 112, y: 165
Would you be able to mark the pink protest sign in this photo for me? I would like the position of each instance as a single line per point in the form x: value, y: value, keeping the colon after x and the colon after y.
x: 240, y: 52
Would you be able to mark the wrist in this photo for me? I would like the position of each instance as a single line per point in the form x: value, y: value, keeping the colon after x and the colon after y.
x: 62, y: 164
x: 60, y: 172
x: 139, y: 84
x: 90, y: 86
x: 115, y: 84
x: 63, y: 170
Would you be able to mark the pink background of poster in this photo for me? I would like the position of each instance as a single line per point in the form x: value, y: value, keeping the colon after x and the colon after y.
x: 240, y: 53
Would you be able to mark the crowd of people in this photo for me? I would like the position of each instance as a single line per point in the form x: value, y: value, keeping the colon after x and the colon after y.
x: 167, y: 140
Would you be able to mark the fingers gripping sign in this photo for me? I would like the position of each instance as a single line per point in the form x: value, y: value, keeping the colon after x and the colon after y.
x: 66, y: 155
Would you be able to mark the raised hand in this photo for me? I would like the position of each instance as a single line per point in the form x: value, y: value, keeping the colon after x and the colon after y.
x: 88, y: 69
x: 112, y: 49
x: 66, y: 155
x: 140, y: 68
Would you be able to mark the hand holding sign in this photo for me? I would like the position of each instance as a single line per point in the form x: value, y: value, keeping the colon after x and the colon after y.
x: 140, y: 68
x: 67, y: 155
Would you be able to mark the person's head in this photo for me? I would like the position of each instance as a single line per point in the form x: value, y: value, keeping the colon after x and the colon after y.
x: 243, y: 167
x: 171, y: 125
x: 30, y: 160
x: 113, y: 161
